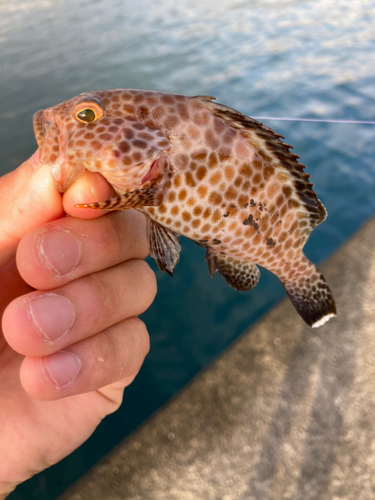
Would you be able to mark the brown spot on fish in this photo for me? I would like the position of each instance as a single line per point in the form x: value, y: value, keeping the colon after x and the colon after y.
x: 182, y: 194
x: 124, y: 147
x: 202, y: 191
x: 206, y: 213
x: 171, y: 121
x: 237, y: 182
x: 167, y: 99
x: 229, y: 173
x: 139, y: 144
x: 216, y: 216
x: 200, y: 156
x: 215, y: 198
x: 230, y: 193
x: 189, y: 179
x: 183, y: 111
x: 215, y: 178
x: 201, y: 173
x: 212, y: 160
x: 246, y: 170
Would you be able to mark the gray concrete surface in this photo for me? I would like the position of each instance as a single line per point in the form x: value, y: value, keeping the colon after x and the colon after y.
x: 286, y: 413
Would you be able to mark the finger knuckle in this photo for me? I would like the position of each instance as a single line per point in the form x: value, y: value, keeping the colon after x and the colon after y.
x: 142, y: 336
x: 147, y: 277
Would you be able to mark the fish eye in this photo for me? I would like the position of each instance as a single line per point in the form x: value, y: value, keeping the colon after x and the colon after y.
x: 88, y: 112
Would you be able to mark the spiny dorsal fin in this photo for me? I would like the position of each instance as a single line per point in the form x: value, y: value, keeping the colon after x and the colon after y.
x: 207, y: 97
x: 279, y: 150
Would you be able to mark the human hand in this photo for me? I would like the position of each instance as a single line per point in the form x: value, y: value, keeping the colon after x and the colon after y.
x: 83, y: 282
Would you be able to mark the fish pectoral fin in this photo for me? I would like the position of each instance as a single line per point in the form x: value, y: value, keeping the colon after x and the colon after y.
x: 239, y: 274
x: 150, y: 196
x: 163, y: 246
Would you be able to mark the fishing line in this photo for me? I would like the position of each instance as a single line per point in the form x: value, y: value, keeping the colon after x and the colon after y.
x: 312, y: 120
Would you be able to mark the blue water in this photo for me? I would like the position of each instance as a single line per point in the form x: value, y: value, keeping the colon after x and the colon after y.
x: 266, y: 58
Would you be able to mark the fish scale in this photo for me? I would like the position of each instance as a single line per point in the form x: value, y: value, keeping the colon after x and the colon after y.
x: 198, y: 169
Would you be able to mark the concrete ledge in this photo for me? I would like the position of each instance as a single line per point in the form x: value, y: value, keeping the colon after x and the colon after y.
x: 286, y: 413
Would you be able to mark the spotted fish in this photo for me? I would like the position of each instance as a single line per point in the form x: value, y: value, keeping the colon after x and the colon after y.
x: 198, y: 169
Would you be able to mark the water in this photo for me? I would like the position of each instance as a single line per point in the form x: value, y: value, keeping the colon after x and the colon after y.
x: 266, y: 58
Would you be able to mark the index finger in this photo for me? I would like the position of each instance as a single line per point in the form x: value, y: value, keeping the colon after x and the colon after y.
x: 28, y: 198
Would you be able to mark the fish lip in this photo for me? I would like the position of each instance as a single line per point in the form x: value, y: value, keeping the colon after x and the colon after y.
x: 42, y: 121
x: 38, y: 126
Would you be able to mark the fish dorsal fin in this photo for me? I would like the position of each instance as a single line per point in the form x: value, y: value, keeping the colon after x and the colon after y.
x: 239, y: 274
x: 272, y: 146
x: 163, y: 246
x: 205, y: 97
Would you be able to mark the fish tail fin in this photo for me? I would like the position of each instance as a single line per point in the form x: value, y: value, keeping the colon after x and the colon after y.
x: 311, y: 296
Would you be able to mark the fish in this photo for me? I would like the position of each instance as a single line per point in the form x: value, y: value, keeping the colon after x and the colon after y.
x: 199, y: 169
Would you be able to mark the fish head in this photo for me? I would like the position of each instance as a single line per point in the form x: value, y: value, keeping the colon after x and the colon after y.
x: 84, y: 133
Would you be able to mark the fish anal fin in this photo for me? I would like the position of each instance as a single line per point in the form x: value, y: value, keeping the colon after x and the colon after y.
x: 150, y: 196
x: 239, y: 274
x: 311, y: 297
x: 163, y: 246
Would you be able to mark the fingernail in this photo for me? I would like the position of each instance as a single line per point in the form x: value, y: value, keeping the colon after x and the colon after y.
x: 53, y: 315
x: 62, y: 368
x: 60, y: 251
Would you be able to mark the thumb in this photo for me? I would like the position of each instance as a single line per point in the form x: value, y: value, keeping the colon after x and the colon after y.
x: 28, y: 198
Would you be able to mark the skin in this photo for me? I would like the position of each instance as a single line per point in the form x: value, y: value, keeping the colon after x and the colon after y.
x: 37, y: 404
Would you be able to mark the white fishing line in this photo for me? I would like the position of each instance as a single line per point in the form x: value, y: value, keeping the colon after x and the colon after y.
x: 312, y: 120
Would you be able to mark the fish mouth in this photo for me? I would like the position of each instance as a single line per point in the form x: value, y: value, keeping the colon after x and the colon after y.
x: 47, y: 134
x: 41, y: 127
